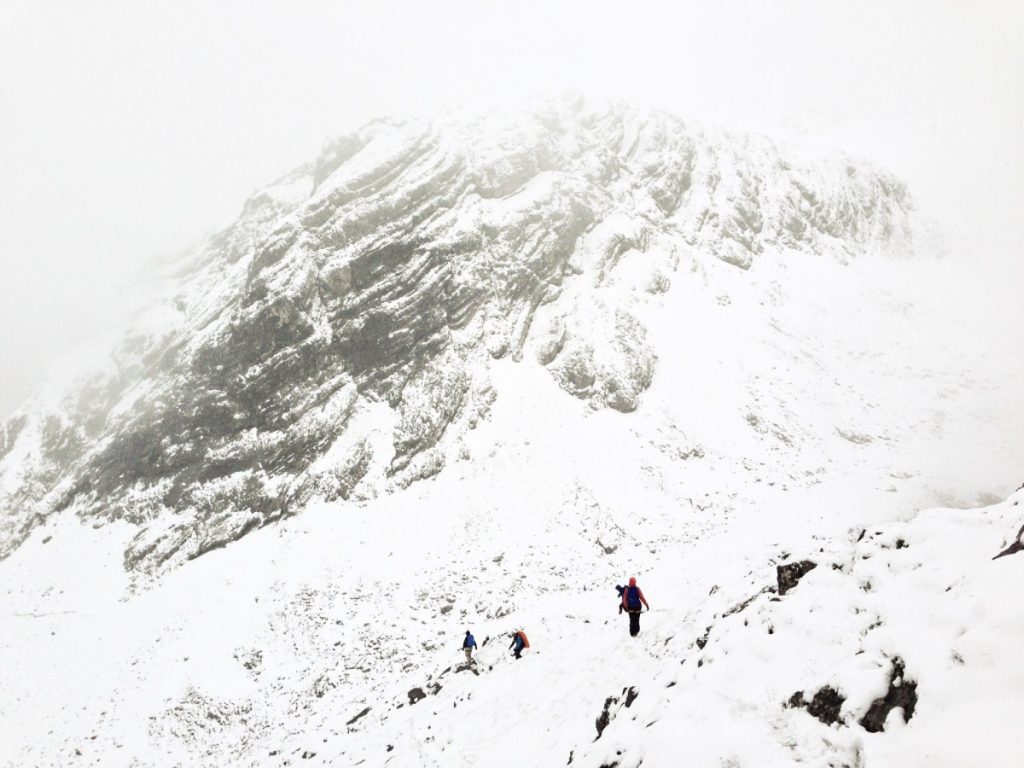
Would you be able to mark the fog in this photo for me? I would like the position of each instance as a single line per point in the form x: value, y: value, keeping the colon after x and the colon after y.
x: 127, y: 132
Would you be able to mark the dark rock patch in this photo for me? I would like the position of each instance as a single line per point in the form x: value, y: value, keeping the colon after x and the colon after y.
x: 631, y: 696
x: 825, y: 705
x: 628, y: 696
x: 703, y: 639
x: 416, y: 694
x: 789, y: 575
x: 1016, y: 546
x: 606, y: 715
x: 362, y: 714
x: 902, y: 693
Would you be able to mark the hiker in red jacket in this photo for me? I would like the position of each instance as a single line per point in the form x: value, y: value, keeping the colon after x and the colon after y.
x: 632, y: 599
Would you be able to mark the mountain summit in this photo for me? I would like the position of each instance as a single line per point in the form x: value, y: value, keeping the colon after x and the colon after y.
x: 336, y: 340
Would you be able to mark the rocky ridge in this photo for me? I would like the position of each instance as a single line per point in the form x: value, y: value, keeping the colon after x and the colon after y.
x: 335, y: 342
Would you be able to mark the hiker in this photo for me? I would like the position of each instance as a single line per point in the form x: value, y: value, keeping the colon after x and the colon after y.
x: 468, y: 645
x: 519, y: 642
x: 632, y: 598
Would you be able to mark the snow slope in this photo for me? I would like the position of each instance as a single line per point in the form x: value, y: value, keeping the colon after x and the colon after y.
x: 671, y: 411
x: 266, y: 650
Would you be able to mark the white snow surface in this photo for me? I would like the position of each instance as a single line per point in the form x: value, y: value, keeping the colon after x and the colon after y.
x: 863, y: 415
x: 347, y: 607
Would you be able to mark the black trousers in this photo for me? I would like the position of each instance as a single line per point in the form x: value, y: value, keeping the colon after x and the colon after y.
x: 634, y: 623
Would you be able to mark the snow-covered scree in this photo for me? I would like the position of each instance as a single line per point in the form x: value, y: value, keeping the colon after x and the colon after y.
x: 404, y: 397
x: 334, y: 640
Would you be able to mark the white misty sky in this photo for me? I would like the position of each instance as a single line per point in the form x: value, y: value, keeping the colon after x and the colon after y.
x: 129, y: 129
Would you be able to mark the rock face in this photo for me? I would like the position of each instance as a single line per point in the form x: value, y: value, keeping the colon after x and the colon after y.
x: 902, y: 694
x: 337, y: 339
x: 789, y: 575
x: 825, y: 704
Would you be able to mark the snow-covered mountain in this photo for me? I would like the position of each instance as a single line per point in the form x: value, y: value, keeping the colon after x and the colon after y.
x: 375, y: 284
x: 473, y: 372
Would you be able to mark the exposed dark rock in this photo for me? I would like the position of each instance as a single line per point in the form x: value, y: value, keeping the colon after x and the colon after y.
x: 605, y: 717
x: 631, y: 695
x: 1015, y: 546
x: 416, y: 694
x: 703, y: 639
x: 902, y: 693
x: 362, y: 714
x: 790, y: 574
x: 825, y: 705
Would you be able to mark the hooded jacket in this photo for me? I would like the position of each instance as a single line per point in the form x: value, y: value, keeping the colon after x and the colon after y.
x: 633, y: 597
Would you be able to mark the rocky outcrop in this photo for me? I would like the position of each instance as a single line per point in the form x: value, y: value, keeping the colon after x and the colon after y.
x: 902, y: 694
x: 789, y: 575
x: 825, y: 705
x: 371, y: 289
x: 1015, y: 546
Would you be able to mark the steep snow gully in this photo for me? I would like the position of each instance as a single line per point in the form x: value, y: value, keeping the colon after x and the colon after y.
x: 471, y: 373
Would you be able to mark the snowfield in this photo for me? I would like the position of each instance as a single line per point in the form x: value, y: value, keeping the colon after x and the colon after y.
x: 805, y: 450
x: 272, y: 648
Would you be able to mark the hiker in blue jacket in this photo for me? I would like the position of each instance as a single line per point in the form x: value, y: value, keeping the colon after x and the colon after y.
x: 468, y: 645
x: 632, y: 599
x: 519, y: 642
